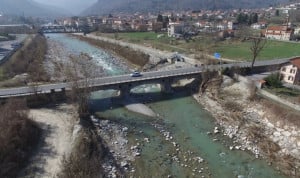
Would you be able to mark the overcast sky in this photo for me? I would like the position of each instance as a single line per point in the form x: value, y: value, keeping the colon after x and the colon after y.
x: 74, y: 6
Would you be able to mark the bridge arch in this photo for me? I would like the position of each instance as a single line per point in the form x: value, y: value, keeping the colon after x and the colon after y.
x: 165, y: 85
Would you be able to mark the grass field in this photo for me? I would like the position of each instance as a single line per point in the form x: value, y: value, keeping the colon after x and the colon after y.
x: 140, y: 36
x: 272, y: 50
x: 230, y: 49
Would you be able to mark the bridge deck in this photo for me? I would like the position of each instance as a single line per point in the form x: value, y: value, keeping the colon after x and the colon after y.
x: 121, y: 79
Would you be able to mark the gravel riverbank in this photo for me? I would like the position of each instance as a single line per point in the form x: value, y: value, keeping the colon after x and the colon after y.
x: 57, y: 124
x: 255, y: 128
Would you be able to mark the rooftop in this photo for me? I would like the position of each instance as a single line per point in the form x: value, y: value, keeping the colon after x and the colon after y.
x: 296, y: 62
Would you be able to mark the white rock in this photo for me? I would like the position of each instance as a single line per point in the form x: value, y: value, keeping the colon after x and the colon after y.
x: 279, y: 129
x: 270, y: 125
x: 237, y: 147
x: 294, y: 132
x: 295, y: 151
x: 137, y: 154
x: 124, y: 163
x: 125, y: 129
x: 287, y: 133
x: 133, y: 147
x: 276, y: 134
x: 174, y: 144
x: 147, y: 140
x: 216, y: 131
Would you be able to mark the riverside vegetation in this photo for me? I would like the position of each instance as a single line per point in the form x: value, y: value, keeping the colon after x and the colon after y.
x: 29, y: 61
x: 86, y: 157
x: 19, y: 135
x: 135, y: 57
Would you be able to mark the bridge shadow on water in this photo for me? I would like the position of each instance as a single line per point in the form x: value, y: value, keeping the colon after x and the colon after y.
x: 113, y: 102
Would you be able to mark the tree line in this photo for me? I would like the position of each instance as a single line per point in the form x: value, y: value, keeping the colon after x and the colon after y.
x: 243, y: 18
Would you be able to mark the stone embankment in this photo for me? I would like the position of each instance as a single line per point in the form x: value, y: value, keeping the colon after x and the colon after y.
x: 279, y: 100
x: 115, y: 138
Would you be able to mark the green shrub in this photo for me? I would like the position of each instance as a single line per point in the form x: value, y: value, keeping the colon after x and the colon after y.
x: 273, y: 80
x: 85, y: 159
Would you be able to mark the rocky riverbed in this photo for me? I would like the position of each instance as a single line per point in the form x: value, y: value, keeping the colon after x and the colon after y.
x: 59, y: 60
x: 255, y: 129
x: 126, y: 152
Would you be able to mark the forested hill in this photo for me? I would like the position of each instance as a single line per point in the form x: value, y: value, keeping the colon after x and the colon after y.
x: 28, y: 8
x: 111, y: 6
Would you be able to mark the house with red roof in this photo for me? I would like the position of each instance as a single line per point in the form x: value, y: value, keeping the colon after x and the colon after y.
x: 278, y: 33
x: 290, y: 73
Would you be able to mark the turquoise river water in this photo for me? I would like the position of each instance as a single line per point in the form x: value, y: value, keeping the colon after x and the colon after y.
x: 179, y: 145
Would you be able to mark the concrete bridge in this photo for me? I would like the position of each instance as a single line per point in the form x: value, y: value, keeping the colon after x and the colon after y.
x: 124, y: 83
x: 59, y: 29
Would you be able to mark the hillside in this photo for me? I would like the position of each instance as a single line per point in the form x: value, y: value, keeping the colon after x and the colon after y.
x: 28, y: 8
x: 111, y: 6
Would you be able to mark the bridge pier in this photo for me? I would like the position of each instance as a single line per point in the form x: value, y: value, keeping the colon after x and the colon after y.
x: 124, y: 91
x: 166, y: 86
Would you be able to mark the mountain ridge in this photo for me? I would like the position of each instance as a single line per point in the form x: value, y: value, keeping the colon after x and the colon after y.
x: 110, y: 6
x: 29, y: 8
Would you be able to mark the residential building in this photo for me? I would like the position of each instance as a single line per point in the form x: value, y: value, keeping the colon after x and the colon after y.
x: 221, y: 27
x: 232, y: 25
x: 290, y: 73
x: 175, y: 28
x: 279, y: 33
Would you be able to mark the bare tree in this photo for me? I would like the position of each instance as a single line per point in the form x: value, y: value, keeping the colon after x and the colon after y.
x: 244, y: 32
x: 79, y: 72
x: 257, y: 45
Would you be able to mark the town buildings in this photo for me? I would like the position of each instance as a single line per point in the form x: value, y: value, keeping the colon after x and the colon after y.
x: 222, y: 22
x: 279, y: 32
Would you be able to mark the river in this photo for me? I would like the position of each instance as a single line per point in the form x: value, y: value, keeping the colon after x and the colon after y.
x: 177, y: 142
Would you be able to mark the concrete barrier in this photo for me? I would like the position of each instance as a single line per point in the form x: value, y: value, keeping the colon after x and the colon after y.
x: 273, y: 97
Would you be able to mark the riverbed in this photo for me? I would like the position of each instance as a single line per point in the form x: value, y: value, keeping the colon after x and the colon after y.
x: 181, y: 141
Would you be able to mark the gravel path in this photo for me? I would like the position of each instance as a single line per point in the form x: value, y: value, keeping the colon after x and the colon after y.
x: 57, y: 125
